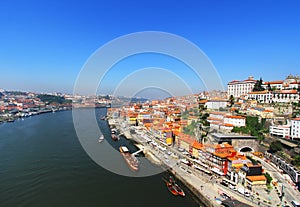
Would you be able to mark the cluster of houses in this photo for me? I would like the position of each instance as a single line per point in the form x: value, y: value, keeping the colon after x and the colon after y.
x: 167, y: 119
x: 23, y: 104
x: 285, y: 92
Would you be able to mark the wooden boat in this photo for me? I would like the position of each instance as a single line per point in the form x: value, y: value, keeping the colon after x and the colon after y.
x: 176, y: 186
x: 171, y: 188
x: 130, y: 159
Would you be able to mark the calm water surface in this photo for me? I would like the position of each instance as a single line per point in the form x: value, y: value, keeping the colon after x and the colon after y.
x: 43, y: 164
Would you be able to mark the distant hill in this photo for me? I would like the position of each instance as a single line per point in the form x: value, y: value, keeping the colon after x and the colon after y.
x: 53, y: 99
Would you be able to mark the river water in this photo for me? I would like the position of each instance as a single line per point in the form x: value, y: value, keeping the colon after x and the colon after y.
x: 43, y: 164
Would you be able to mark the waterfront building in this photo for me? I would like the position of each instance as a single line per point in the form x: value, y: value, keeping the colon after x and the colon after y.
x: 235, y: 162
x: 218, y: 157
x: 251, y: 175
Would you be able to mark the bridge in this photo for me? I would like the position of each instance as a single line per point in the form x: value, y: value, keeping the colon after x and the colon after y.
x: 239, y: 142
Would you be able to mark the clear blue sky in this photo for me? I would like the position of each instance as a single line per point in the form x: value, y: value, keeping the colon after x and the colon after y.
x: 44, y: 44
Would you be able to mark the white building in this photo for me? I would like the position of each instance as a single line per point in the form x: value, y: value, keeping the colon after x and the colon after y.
x: 280, y: 130
x: 261, y: 96
x: 280, y: 96
x: 216, y: 104
x: 240, y: 88
x: 276, y: 85
x: 238, y: 121
x: 295, y: 128
x: 286, y: 96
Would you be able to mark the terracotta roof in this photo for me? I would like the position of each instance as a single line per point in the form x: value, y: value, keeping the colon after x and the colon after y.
x: 222, y: 155
x: 259, y: 92
x: 274, y: 82
x: 217, y: 112
x: 197, y: 145
x: 256, y: 178
x: 289, y: 91
x: 227, y: 125
x: 267, y: 110
x: 235, y: 117
x: 186, y: 138
x: 202, y: 101
x: 213, y: 118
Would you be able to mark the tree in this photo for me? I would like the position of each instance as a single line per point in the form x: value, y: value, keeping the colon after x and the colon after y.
x: 231, y: 100
x: 296, y: 160
x: 275, y: 146
x: 258, y: 85
x: 269, y: 87
x: 268, y: 177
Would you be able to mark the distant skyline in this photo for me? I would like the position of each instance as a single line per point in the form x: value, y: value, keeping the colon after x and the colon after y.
x: 44, y: 44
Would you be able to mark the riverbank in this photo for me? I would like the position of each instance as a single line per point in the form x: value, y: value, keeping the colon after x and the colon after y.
x: 202, y: 197
x: 21, y: 115
x: 205, y: 187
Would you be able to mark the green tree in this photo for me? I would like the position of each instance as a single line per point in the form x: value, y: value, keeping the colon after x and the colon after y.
x: 231, y: 100
x: 296, y: 160
x: 268, y: 177
x: 258, y: 85
x: 269, y: 87
x: 275, y: 146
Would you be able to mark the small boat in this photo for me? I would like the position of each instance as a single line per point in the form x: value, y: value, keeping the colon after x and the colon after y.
x: 171, y: 188
x: 103, y: 118
x: 114, y: 137
x: 130, y: 159
x: 101, y: 138
x: 176, y: 186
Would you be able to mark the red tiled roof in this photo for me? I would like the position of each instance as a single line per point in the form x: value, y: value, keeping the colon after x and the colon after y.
x: 235, y: 117
x: 257, y: 178
x: 197, y: 145
x: 274, y: 82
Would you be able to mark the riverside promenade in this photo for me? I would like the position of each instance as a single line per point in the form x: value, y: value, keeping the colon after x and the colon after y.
x: 206, y: 188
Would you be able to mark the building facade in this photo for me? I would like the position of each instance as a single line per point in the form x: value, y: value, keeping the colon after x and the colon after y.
x: 283, y: 131
x: 240, y: 88
x: 295, y: 128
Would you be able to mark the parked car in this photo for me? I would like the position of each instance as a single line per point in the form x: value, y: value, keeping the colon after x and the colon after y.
x: 233, y: 187
x: 224, y: 183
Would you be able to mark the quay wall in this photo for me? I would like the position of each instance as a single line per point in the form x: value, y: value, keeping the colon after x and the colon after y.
x: 199, y: 195
x: 201, y: 198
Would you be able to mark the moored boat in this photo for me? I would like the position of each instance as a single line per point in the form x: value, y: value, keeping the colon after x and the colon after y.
x: 101, y: 138
x: 171, y: 188
x: 114, y: 137
x: 130, y: 159
x: 176, y: 186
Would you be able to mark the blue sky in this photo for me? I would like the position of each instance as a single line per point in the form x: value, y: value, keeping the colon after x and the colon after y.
x: 44, y: 44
